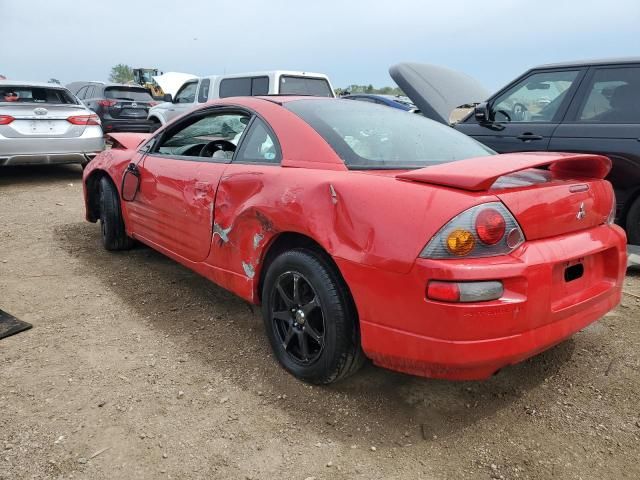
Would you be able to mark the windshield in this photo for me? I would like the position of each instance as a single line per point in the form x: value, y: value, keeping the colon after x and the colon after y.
x: 26, y: 94
x: 318, y: 87
x: 126, y: 93
x: 368, y: 136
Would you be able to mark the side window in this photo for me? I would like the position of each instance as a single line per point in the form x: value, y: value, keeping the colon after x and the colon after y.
x: 235, y: 87
x: 614, y: 96
x: 203, y: 93
x: 90, y: 90
x: 187, y: 93
x: 260, y: 86
x: 214, y: 135
x: 81, y: 93
x: 258, y: 146
x: 537, y: 98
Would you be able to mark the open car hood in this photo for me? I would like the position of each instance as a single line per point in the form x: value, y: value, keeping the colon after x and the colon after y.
x: 435, y: 90
x: 170, y: 82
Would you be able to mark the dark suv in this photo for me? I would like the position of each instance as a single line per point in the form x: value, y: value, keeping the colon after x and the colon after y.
x: 587, y: 107
x: 122, y: 108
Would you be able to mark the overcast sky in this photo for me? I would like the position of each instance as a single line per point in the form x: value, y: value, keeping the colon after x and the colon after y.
x: 351, y: 41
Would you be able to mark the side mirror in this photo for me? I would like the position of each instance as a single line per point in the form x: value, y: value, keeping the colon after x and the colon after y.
x: 481, y: 112
x: 167, y: 97
x: 130, y: 183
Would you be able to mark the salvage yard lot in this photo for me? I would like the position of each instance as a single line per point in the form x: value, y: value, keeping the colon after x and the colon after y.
x: 139, y: 368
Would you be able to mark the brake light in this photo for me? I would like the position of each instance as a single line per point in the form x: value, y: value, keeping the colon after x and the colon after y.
x: 490, y: 226
x: 153, y: 104
x: 485, y: 230
x: 107, y: 103
x: 6, y: 119
x: 84, y: 120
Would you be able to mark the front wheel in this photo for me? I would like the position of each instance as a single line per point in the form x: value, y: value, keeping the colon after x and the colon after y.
x: 114, y: 236
x: 309, y: 318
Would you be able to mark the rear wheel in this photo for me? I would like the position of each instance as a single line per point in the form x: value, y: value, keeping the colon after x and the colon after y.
x: 114, y: 236
x: 309, y: 318
x: 633, y: 223
x: 155, y: 125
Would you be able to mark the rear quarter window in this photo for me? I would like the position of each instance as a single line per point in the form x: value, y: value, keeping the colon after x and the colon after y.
x: 317, y: 87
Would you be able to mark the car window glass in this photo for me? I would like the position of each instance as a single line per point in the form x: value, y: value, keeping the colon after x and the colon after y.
x: 235, y: 87
x: 136, y: 94
x: 187, y: 93
x: 90, y: 92
x: 364, y: 99
x: 189, y: 138
x: 318, y: 87
x: 258, y: 146
x: 81, y: 93
x: 614, y: 96
x: 28, y: 94
x: 369, y: 136
x: 534, y: 99
x: 203, y: 93
x: 260, y: 86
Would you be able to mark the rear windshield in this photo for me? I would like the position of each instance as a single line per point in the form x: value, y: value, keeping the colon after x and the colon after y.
x: 369, y: 136
x: 318, y: 87
x: 26, y: 94
x: 128, y: 93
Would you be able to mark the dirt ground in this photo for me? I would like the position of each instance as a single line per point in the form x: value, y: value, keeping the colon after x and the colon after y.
x: 137, y: 368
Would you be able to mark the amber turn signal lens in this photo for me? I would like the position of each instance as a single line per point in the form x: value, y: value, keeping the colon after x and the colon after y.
x: 460, y: 242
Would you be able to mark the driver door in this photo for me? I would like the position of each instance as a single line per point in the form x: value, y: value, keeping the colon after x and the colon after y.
x: 185, y: 98
x: 524, y: 116
x: 174, y: 207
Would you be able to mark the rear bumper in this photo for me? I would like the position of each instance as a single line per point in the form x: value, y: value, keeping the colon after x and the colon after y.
x: 132, y: 125
x: 42, y: 150
x: 402, y: 330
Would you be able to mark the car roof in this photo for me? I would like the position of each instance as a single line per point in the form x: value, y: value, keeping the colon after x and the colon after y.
x: 587, y: 63
x: 274, y: 72
x: 22, y: 83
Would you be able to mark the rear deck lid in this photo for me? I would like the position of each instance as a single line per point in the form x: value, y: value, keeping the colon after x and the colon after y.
x: 571, y: 195
x: 437, y: 91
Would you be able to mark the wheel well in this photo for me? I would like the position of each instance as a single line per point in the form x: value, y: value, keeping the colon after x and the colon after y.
x: 624, y: 212
x: 288, y: 241
x: 153, y: 118
x: 93, y: 193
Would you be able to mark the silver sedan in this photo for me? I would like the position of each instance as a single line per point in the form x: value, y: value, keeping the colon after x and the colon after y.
x: 42, y: 123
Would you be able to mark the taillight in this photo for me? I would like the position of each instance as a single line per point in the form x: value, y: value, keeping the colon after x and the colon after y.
x: 485, y: 230
x: 465, y: 292
x: 84, y: 120
x: 6, y: 119
x: 490, y: 226
x: 153, y: 104
x: 107, y: 103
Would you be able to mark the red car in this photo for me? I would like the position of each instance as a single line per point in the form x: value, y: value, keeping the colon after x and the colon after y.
x: 364, y: 231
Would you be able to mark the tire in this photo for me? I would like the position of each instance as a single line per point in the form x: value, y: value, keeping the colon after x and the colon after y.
x: 114, y: 236
x: 313, y: 333
x: 155, y: 125
x: 633, y: 223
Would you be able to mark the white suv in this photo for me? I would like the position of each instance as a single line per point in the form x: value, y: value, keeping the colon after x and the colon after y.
x: 200, y: 90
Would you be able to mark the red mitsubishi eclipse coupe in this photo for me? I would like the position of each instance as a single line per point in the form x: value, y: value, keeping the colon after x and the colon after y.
x: 365, y: 231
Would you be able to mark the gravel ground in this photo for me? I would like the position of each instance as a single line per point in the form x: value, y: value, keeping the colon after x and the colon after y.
x: 137, y: 368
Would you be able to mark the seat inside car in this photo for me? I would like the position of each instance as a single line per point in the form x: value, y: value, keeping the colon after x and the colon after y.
x: 625, y: 105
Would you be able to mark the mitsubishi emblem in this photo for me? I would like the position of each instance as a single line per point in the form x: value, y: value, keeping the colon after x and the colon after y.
x: 581, y: 212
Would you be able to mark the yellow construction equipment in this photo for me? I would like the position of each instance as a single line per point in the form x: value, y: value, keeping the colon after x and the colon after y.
x: 144, y: 77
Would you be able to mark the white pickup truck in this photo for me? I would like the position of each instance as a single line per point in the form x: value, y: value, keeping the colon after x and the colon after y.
x: 200, y: 90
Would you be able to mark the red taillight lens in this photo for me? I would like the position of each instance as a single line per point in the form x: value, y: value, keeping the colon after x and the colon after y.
x: 490, y: 226
x: 443, y: 291
x: 107, y: 103
x: 84, y: 120
x: 6, y: 119
x: 153, y: 104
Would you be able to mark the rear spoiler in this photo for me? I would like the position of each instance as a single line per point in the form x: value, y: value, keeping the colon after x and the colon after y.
x: 127, y: 141
x: 480, y: 173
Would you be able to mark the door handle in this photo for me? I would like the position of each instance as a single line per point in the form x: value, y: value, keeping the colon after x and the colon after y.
x: 529, y: 136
